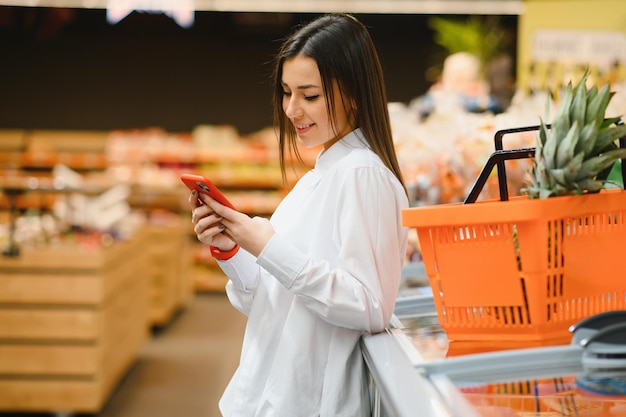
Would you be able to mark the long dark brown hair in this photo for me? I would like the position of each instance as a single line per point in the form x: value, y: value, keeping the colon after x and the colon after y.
x: 344, y: 51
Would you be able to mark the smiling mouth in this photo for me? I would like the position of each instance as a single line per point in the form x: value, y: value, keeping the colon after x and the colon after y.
x: 300, y: 128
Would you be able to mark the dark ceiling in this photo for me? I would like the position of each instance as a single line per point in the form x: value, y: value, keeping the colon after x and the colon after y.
x: 70, y: 69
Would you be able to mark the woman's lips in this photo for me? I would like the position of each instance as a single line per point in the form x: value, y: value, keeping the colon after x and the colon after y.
x: 303, y: 128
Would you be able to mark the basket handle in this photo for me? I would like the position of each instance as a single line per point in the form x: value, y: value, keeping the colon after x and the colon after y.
x: 497, y: 158
x: 500, y: 156
x: 497, y: 139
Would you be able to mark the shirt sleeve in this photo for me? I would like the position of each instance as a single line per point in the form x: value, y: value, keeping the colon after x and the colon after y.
x: 370, y: 243
x: 243, y: 272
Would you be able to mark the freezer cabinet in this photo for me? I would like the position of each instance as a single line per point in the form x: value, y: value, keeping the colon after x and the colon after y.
x: 411, y: 378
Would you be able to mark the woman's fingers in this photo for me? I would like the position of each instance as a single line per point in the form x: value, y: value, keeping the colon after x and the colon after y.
x: 200, y: 212
x: 193, y: 199
x: 203, y: 220
x: 218, y: 208
x: 207, y: 234
x: 208, y: 217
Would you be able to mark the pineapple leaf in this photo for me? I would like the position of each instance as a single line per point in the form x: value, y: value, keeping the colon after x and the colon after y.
x: 609, y: 121
x: 592, y: 93
x: 593, y: 166
x: 545, y: 193
x: 558, y: 176
x: 566, y: 102
x: 597, y: 105
x: 587, y: 139
x: 593, y: 186
x: 605, y: 104
x: 549, y: 149
x: 565, y: 150
x: 543, y: 132
x: 579, y: 104
x: 571, y: 169
x: 607, y: 137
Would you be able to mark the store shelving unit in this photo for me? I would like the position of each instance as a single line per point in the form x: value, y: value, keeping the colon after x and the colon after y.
x: 150, y: 161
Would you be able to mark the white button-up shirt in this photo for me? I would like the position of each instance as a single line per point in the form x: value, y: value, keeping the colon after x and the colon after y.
x: 329, y: 274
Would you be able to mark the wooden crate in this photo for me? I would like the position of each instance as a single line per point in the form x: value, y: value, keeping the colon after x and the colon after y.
x: 72, y: 322
x: 171, y: 286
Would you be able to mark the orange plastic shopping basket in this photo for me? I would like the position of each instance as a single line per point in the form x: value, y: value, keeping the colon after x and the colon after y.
x: 522, y: 269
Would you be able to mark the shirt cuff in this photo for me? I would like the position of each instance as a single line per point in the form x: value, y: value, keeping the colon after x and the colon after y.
x: 283, y: 260
x: 241, y: 269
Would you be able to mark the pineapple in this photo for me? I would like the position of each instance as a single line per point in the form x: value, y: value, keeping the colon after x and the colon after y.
x: 576, y: 153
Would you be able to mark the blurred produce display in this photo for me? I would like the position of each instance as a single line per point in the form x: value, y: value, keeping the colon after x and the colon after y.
x: 442, y: 154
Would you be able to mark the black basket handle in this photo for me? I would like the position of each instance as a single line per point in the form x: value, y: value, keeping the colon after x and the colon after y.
x: 500, y: 156
x: 497, y: 159
x: 497, y: 139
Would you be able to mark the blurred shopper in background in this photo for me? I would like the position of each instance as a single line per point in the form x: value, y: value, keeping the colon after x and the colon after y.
x: 462, y: 88
x: 326, y: 267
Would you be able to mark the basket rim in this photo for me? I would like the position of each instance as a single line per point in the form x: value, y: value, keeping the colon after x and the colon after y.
x: 517, y: 209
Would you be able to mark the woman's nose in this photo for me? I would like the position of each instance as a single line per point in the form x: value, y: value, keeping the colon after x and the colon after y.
x: 292, y: 108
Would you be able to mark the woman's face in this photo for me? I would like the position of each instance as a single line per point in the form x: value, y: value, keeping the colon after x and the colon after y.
x: 304, y: 104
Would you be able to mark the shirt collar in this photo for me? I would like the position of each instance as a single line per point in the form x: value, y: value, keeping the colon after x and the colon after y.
x: 328, y: 157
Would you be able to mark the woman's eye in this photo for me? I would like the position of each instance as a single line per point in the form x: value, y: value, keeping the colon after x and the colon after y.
x: 311, y: 98
x: 286, y: 94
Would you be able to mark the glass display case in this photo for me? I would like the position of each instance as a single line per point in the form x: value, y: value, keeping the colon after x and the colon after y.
x: 414, y: 371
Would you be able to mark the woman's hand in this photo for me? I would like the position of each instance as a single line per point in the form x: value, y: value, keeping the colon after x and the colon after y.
x: 207, y: 226
x: 223, y: 227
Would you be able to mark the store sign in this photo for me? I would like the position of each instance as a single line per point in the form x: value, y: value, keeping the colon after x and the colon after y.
x: 181, y: 11
x: 601, y: 48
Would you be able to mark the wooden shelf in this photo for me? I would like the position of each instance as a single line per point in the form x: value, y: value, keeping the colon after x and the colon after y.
x: 64, y: 311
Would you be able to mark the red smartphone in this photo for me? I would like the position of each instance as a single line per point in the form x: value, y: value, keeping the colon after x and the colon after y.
x: 203, y: 185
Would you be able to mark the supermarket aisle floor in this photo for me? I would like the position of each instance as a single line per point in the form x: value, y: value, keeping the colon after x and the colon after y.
x: 185, y: 366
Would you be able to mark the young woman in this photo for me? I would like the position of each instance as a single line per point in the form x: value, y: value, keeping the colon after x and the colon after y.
x: 326, y: 267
